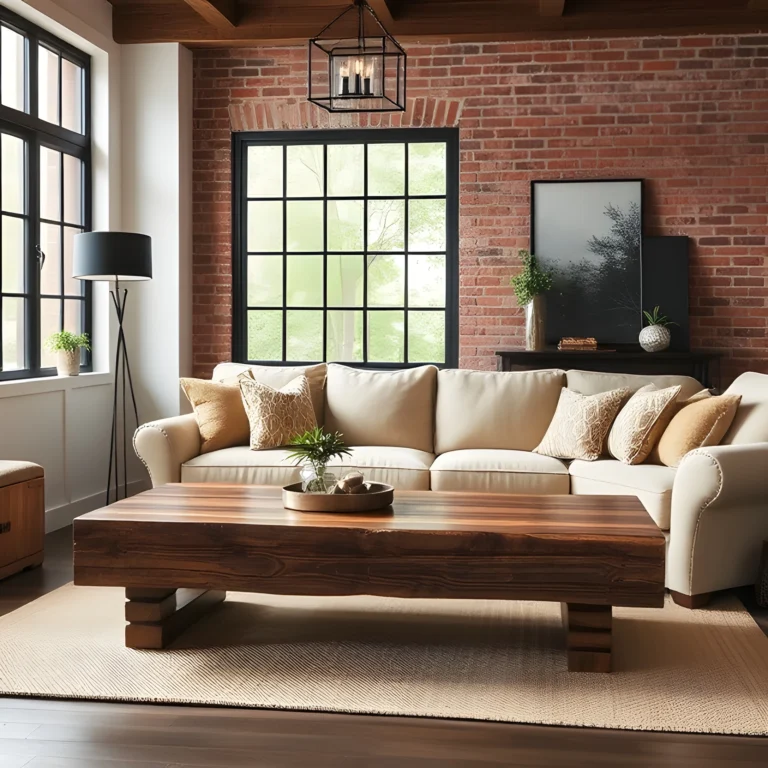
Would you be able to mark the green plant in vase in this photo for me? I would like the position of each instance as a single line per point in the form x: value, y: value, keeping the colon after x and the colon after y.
x: 530, y: 285
x: 67, y: 346
x: 314, y: 450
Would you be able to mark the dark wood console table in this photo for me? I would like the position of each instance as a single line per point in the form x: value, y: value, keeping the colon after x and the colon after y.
x: 703, y: 366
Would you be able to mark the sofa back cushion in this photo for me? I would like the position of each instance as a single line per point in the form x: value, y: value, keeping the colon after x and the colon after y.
x: 277, y: 376
x: 594, y: 382
x: 393, y: 408
x: 479, y: 409
x: 751, y: 422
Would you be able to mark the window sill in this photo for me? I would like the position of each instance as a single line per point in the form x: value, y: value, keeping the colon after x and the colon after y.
x: 20, y: 387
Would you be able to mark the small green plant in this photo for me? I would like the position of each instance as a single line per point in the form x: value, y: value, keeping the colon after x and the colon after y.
x: 317, y: 448
x: 531, y: 281
x: 66, y: 341
x: 656, y: 318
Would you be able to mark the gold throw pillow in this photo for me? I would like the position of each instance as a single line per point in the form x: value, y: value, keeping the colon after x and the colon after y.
x: 277, y: 415
x: 219, y: 412
x: 580, y: 424
x: 641, y: 422
x: 698, y: 424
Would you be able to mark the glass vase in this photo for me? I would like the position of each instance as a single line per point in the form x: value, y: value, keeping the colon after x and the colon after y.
x: 317, y: 480
x: 535, y: 319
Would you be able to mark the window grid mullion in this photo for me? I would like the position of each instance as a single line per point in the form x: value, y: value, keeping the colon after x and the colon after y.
x: 406, y: 243
x: 285, y: 254
x: 365, y: 254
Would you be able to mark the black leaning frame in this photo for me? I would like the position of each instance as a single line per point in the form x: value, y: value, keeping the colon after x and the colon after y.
x: 240, y: 143
x: 37, y: 133
x: 532, y: 232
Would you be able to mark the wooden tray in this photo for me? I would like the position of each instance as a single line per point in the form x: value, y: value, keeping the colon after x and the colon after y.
x: 379, y: 497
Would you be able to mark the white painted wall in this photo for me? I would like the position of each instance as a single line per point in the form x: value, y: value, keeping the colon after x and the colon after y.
x: 157, y: 201
x: 63, y: 423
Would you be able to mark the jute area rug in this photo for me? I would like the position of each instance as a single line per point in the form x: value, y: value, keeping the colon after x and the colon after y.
x: 676, y: 670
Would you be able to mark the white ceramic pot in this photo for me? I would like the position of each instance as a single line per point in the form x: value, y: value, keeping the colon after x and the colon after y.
x: 655, y: 338
x: 68, y: 363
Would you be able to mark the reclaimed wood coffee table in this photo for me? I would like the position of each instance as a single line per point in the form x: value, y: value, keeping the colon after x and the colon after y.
x: 178, y: 548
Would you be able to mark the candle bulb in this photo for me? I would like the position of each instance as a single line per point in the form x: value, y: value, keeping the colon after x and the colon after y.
x: 358, y: 76
x: 344, y: 78
x: 368, y: 79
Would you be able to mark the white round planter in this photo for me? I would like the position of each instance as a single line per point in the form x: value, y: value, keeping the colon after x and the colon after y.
x: 68, y: 363
x: 655, y: 338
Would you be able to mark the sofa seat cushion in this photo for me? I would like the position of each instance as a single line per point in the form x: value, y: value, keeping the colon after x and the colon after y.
x: 651, y: 483
x: 404, y: 468
x: 499, y: 471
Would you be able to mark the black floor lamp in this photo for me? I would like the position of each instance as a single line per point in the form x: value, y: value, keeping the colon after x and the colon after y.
x: 116, y: 257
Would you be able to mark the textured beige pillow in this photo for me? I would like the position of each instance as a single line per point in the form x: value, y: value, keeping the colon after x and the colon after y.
x: 580, y: 424
x: 641, y: 422
x: 394, y: 408
x: 277, y: 376
x: 219, y: 412
x: 699, y: 424
x: 277, y: 415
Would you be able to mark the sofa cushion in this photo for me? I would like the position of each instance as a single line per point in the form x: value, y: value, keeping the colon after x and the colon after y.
x: 751, y: 422
x: 276, y: 416
x: 394, y: 408
x: 651, y: 483
x: 641, y: 423
x: 580, y: 424
x: 277, y: 376
x: 592, y: 382
x: 482, y: 409
x: 403, y: 468
x: 219, y: 412
x: 499, y: 471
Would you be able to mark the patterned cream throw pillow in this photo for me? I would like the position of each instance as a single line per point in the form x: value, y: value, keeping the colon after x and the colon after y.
x: 277, y: 415
x: 641, y: 423
x: 580, y: 424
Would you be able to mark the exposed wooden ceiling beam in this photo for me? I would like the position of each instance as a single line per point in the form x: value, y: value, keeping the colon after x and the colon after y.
x: 551, y: 7
x: 268, y: 22
x: 385, y: 10
x: 220, y: 13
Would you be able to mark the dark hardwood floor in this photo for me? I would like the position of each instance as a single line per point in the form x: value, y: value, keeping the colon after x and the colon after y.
x: 36, y: 733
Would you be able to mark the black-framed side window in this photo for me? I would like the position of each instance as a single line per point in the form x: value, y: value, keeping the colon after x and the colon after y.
x: 346, y: 247
x: 45, y: 198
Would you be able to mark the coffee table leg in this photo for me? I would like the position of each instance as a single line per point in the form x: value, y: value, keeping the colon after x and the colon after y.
x: 589, y: 633
x: 156, y: 617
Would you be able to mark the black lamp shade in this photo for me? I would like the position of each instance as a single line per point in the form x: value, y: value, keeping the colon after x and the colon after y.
x: 118, y: 256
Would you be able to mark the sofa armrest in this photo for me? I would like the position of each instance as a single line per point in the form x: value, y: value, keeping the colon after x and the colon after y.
x: 719, y: 518
x: 164, y: 445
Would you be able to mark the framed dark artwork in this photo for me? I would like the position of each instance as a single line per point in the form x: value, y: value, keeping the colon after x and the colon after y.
x: 589, y: 235
x: 665, y: 284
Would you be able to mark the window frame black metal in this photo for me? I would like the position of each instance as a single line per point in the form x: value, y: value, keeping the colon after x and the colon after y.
x: 37, y: 133
x: 240, y: 143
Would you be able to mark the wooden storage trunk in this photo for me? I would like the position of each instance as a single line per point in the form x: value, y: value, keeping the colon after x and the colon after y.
x: 22, y: 516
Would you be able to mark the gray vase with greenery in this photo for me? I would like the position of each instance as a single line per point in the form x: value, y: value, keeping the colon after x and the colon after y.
x: 530, y: 285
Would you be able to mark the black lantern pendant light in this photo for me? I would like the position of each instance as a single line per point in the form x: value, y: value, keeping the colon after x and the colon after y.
x: 357, y: 74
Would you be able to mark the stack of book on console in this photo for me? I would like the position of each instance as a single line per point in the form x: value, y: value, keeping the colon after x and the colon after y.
x: 577, y: 344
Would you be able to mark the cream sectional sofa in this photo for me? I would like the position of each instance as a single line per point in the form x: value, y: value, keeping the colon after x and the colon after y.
x: 456, y: 430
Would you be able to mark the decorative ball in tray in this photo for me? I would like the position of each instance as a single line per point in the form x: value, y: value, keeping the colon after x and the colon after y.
x: 350, y: 494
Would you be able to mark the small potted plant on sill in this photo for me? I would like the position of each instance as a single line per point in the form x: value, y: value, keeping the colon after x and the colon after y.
x: 313, y: 450
x: 67, y: 346
x: 656, y: 336
x: 530, y: 285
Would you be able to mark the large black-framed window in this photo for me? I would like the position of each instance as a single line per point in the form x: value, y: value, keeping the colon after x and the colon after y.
x: 346, y: 247
x: 45, y: 200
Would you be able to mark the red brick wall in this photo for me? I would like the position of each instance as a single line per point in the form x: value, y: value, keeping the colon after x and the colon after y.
x: 688, y: 114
